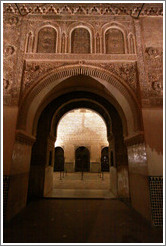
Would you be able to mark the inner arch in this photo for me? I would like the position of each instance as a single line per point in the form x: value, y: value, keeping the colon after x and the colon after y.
x: 81, y: 127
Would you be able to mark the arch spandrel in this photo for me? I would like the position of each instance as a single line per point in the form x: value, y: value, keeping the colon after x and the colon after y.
x: 117, y: 89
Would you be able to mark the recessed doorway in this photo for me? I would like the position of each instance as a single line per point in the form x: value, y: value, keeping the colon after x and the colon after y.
x: 82, y: 159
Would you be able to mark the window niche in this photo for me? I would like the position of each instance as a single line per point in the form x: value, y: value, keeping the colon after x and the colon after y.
x: 46, y: 40
x: 114, y: 41
x: 80, y: 41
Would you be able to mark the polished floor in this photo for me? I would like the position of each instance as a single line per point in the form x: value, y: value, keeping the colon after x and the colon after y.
x: 80, y: 221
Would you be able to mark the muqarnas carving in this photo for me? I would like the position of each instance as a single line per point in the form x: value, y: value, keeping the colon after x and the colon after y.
x: 80, y: 41
x: 46, y: 40
x: 114, y: 41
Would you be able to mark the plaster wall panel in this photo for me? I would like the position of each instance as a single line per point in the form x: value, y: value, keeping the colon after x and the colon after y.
x: 138, y: 179
x: 17, y: 196
x: 48, y: 184
x: 113, y: 180
x: 137, y: 159
x: 36, y: 181
x: 123, y: 182
x: 152, y: 28
x: 140, y: 197
x: 9, y: 127
x: 20, y: 158
x: 153, y: 127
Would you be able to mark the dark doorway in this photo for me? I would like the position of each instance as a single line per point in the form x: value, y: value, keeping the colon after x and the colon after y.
x: 59, y: 159
x: 104, y: 160
x: 82, y: 158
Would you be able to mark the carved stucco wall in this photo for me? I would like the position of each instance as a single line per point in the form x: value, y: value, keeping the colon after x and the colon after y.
x: 138, y: 69
x: 22, y: 34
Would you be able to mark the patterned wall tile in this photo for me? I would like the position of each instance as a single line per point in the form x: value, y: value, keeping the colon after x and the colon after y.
x: 6, y: 181
x: 156, y: 198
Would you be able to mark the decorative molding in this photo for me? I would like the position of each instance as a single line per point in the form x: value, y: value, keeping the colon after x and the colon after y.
x: 65, y: 72
x: 68, y: 57
x: 126, y: 71
x: 140, y: 58
x: 87, y: 9
x: 24, y: 138
x: 136, y: 139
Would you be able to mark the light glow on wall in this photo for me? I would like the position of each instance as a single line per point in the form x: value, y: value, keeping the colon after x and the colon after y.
x: 82, y: 127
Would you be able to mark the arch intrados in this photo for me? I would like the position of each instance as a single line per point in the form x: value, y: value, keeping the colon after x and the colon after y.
x: 31, y: 99
x: 87, y: 26
x: 59, y: 148
x: 104, y: 149
x: 74, y: 104
x: 116, y: 25
x: 62, y: 92
x: 88, y: 108
x: 52, y: 130
x: 66, y: 72
x: 82, y: 146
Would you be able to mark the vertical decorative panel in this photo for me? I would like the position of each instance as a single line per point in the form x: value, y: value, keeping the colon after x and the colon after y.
x: 114, y: 41
x: 156, y: 198
x: 80, y: 41
x: 6, y: 181
x: 46, y: 40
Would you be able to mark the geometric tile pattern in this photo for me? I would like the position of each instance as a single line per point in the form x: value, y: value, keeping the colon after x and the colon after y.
x: 156, y: 199
x: 6, y: 181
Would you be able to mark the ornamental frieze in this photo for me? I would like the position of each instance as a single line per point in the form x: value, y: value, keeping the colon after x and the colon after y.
x: 154, y: 63
x: 35, y: 70
x: 84, y: 9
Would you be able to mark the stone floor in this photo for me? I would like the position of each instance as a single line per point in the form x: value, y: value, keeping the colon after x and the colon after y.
x: 80, y: 221
x: 99, y: 181
x: 79, y: 193
x: 74, y: 185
